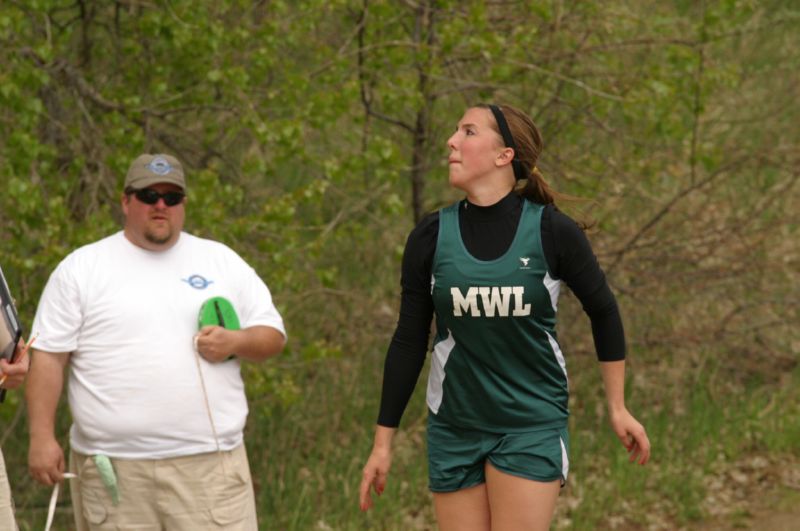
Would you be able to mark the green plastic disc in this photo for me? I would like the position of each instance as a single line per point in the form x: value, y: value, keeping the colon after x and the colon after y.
x: 218, y: 311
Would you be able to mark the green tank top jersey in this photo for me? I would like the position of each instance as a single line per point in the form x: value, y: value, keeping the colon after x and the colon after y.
x: 496, y: 363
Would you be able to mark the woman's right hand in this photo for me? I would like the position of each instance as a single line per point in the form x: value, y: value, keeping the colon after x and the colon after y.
x: 377, y: 468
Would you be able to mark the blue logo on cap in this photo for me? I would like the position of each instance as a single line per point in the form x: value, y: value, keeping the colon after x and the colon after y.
x: 159, y: 166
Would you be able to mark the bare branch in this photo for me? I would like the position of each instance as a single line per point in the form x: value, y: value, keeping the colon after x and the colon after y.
x: 665, y: 209
x: 578, y: 83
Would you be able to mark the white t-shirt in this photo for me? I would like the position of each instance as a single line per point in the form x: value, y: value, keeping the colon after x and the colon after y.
x: 128, y: 316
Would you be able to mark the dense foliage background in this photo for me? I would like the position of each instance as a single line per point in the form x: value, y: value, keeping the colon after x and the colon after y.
x: 314, y: 136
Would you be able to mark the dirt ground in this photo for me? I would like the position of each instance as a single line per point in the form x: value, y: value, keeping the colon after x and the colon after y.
x: 766, y: 520
x: 755, y: 493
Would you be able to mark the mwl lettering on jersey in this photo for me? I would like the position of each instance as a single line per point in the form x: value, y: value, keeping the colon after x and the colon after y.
x: 495, y: 301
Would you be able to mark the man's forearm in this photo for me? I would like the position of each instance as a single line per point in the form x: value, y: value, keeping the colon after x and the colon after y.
x: 43, y: 390
x: 258, y: 343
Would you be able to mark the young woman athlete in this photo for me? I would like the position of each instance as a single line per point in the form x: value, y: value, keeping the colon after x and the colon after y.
x: 489, y: 267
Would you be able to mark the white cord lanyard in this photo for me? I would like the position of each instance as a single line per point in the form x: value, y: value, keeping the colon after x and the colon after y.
x: 208, y: 405
x: 51, y: 509
x: 205, y: 398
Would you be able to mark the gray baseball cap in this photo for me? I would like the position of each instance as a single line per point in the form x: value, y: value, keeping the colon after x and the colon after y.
x: 149, y: 169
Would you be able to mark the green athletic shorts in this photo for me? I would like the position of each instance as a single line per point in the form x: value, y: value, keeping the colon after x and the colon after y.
x: 457, y: 456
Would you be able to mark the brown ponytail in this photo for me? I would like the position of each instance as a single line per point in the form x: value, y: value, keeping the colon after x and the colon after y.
x: 537, y: 190
x: 529, y: 145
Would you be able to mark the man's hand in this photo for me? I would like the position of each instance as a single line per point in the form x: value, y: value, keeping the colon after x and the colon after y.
x: 46, y: 461
x: 254, y: 343
x: 214, y: 343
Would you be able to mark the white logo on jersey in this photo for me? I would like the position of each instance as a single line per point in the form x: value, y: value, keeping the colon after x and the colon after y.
x: 524, y: 260
x: 495, y: 300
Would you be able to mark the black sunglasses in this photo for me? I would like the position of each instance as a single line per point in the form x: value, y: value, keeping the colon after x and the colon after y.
x: 148, y: 196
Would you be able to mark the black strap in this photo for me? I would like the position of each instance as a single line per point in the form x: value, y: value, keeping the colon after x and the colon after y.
x: 508, y: 139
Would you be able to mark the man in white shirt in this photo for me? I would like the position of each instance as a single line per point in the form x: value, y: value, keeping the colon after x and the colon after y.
x: 160, y: 401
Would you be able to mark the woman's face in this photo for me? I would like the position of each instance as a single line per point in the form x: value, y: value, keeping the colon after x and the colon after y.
x: 474, y: 149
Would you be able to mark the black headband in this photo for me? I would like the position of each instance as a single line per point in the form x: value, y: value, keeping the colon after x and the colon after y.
x: 508, y: 139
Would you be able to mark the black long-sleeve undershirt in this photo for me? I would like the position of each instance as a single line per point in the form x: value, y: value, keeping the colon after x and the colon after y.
x: 487, y: 233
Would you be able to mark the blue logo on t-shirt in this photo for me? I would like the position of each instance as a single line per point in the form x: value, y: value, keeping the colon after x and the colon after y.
x: 197, y: 281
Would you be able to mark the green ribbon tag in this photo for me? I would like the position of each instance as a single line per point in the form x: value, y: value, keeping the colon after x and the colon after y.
x: 107, y: 476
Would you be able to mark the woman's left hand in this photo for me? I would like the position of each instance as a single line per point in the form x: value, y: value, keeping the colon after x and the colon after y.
x: 632, y: 435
